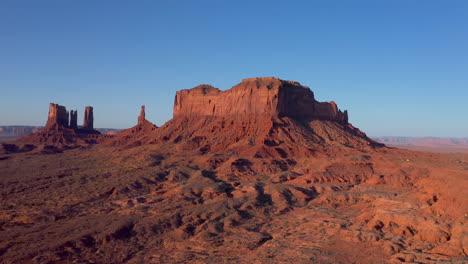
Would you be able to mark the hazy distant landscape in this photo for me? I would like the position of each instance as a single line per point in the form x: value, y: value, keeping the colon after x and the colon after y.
x: 437, y: 144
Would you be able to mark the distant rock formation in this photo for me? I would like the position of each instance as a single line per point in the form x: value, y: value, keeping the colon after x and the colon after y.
x: 88, y: 122
x: 58, y: 116
x: 141, y: 117
x: 435, y: 144
x: 61, y: 128
x: 9, y: 133
x: 259, y: 117
x: 140, y: 134
x: 257, y: 96
x: 74, y: 119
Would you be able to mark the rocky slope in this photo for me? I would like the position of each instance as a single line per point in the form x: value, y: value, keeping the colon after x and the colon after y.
x: 139, y: 134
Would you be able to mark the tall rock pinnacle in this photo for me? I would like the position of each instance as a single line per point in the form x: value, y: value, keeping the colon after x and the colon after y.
x: 142, y: 117
x: 73, y: 119
x: 88, y: 122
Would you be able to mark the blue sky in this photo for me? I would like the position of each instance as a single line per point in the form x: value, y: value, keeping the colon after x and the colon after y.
x: 399, y: 67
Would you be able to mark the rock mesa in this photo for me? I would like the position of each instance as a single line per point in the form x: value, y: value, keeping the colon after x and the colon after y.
x: 257, y: 96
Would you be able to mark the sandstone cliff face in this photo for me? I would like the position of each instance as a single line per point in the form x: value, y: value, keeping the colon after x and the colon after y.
x: 58, y: 115
x: 260, y: 116
x: 256, y: 96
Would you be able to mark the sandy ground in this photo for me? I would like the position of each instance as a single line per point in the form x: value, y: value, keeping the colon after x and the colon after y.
x: 153, y: 204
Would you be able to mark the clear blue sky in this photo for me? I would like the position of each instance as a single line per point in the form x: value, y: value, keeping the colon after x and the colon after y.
x: 399, y: 66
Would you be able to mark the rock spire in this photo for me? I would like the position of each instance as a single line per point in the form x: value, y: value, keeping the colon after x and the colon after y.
x: 73, y: 119
x: 142, y: 115
x: 88, y: 122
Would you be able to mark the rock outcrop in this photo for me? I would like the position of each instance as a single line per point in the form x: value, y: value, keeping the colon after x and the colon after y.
x: 258, y: 117
x: 142, y: 133
x: 58, y: 116
x: 142, y: 116
x: 257, y: 96
x: 74, y: 119
x: 62, y: 128
x: 88, y: 122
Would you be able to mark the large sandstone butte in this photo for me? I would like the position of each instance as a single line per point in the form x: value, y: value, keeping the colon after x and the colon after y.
x: 259, y: 116
x: 256, y: 96
x: 62, y: 128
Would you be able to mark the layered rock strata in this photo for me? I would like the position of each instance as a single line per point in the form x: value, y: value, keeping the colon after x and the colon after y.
x: 257, y: 96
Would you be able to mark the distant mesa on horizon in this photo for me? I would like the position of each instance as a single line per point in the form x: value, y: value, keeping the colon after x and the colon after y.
x: 435, y: 144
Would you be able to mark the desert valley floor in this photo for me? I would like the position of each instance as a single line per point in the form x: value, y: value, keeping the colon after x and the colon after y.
x: 144, y: 205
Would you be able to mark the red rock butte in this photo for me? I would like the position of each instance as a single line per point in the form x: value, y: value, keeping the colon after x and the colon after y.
x: 62, y: 128
x: 257, y: 96
x: 259, y: 116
